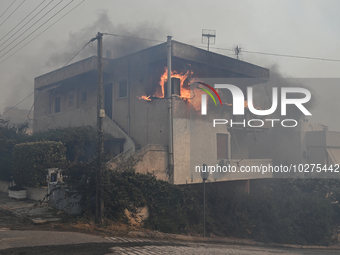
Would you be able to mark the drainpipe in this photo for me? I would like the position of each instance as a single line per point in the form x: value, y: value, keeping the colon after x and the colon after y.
x: 170, y: 146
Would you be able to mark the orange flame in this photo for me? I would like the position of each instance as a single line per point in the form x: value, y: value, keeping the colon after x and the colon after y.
x: 146, y: 98
x: 185, y: 93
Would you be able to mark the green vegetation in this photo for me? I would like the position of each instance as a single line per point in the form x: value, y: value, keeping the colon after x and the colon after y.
x: 80, y: 142
x: 280, y: 210
x: 296, y: 211
x: 31, y: 161
x: 9, y: 137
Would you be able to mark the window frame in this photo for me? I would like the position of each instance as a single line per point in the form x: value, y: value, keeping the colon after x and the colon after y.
x: 119, y: 89
x: 81, y: 96
x: 73, y: 99
x: 54, y: 104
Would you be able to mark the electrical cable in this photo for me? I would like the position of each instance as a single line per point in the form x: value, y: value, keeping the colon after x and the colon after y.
x: 7, y: 8
x: 25, y: 25
x: 32, y: 26
x: 133, y: 37
x: 42, y: 31
x: 22, y: 20
x: 63, y: 67
x: 12, y: 13
x: 51, y: 76
x: 282, y: 55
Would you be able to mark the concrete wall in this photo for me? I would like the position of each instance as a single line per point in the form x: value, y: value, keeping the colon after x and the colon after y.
x: 145, y: 122
x: 62, y: 202
x: 80, y: 67
x: 110, y: 127
x: 4, y: 186
x: 323, y: 138
x: 36, y: 193
x: 283, y: 147
x: 195, y: 144
x: 155, y: 161
x: 32, y: 193
x: 79, y: 114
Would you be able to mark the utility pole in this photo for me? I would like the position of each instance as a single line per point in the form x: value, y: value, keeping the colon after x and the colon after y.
x: 169, y: 96
x: 100, y: 119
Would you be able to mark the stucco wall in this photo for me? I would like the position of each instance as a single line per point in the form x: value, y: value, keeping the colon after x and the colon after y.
x: 155, y: 161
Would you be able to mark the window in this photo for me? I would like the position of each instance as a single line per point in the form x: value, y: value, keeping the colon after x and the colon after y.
x: 83, y: 96
x: 222, y: 146
x: 122, y: 89
x: 70, y: 99
x: 57, y: 104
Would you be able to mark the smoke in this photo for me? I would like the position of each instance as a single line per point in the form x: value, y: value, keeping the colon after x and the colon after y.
x: 263, y: 94
x: 120, y: 46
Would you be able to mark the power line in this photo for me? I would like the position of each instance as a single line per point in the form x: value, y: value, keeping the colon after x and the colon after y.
x: 25, y: 25
x: 64, y: 66
x: 50, y: 77
x: 253, y: 52
x: 281, y: 55
x: 292, y: 56
x: 7, y: 8
x: 132, y: 37
x: 35, y: 29
x: 19, y: 102
x: 12, y: 13
x: 42, y: 32
x: 30, y: 26
x: 22, y: 20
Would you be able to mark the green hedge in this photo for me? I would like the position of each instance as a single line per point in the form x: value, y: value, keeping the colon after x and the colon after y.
x: 277, y: 210
x: 31, y: 161
x: 9, y: 137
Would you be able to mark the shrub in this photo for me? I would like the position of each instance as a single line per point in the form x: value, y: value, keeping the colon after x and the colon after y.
x: 9, y: 136
x: 281, y: 211
x: 31, y: 161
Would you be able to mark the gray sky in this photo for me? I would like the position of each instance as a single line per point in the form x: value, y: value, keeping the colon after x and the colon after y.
x: 300, y: 27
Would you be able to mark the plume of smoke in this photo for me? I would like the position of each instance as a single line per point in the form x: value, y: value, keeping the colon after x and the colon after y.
x: 120, y: 46
x: 263, y: 94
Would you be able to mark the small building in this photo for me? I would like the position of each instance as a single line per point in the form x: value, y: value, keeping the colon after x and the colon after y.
x: 16, y: 117
x: 310, y: 148
x: 137, y: 112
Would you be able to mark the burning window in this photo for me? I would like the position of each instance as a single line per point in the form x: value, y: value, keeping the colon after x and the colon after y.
x: 57, y: 104
x: 122, y: 89
x: 222, y: 146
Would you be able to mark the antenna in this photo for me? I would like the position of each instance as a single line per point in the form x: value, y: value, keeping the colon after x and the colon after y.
x: 237, y: 51
x: 208, y: 37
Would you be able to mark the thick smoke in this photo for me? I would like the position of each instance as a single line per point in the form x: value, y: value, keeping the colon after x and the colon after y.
x: 120, y: 46
x: 263, y: 94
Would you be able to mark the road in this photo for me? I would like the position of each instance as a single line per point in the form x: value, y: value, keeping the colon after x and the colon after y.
x: 31, y: 241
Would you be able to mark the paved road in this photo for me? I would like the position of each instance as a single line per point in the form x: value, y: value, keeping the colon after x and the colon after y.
x: 51, y: 243
x: 20, y: 237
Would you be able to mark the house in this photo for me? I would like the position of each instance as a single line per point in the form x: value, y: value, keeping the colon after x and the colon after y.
x: 310, y: 147
x: 137, y: 109
x: 16, y: 117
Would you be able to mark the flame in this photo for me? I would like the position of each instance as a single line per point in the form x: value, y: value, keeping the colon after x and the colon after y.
x: 185, y: 92
x: 146, y: 98
x: 194, y: 99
